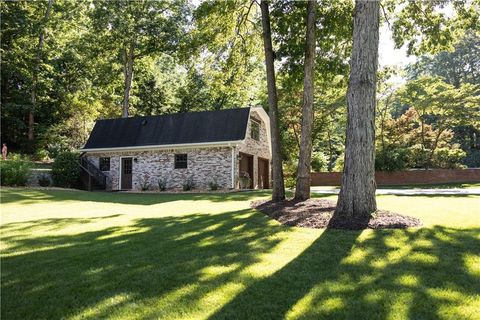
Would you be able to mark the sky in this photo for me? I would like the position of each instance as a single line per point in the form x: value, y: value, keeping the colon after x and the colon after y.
x: 388, y: 55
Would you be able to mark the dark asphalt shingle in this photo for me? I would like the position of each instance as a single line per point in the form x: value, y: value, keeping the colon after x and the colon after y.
x: 179, y: 128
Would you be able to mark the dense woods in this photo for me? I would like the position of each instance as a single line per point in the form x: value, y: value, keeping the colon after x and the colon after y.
x: 66, y: 63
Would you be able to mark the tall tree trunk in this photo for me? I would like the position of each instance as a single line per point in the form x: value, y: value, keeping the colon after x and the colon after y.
x: 356, y: 200
x: 278, y: 193
x: 330, y: 152
x: 302, y: 189
x: 36, y: 67
x: 128, y: 58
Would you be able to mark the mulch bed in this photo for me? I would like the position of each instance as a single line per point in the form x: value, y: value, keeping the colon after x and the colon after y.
x: 318, y: 213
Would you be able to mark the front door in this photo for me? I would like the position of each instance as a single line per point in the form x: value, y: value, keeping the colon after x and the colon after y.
x: 126, y: 173
x: 262, y: 173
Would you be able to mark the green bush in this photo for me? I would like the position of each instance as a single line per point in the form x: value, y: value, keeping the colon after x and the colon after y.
x: 66, y: 170
x: 213, y: 185
x: 56, y: 146
x: 447, y: 158
x: 189, y: 184
x: 145, y: 183
x: 392, y: 159
x: 41, y: 155
x: 15, y: 171
x: 162, y: 184
x: 472, y: 159
x: 419, y: 156
x: 338, y: 167
x: 290, y: 172
x: 319, y: 162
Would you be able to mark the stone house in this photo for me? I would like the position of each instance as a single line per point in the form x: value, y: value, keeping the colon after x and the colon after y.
x: 230, y: 148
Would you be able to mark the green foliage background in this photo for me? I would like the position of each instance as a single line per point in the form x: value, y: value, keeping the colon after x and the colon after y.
x: 65, y: 170
x: 192, y: 56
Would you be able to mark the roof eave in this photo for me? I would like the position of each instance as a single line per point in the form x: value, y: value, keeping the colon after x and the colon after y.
x: 165, y: 146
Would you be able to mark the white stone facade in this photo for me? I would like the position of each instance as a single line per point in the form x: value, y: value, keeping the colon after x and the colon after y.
x: 205, y: 164
x: 258, y: 149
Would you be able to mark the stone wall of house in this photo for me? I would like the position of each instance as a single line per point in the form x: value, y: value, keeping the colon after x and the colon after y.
x: 204, y: 165
x: 260, y: 148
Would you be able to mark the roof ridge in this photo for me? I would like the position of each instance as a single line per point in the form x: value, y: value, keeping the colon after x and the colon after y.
x: 174, y: 114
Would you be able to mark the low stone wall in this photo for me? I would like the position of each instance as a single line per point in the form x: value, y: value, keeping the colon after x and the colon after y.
x: 37, y: 173
x: 431, y: 176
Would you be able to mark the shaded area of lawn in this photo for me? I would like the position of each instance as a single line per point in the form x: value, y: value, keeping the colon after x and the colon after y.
x: 33, y: 196
x: 129, y: 269
x: 233, y: 265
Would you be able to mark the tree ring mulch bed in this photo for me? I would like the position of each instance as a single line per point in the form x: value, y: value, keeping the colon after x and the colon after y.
x: 318, y: 213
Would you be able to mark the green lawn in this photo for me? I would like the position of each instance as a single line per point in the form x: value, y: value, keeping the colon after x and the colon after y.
x: 79, y: 255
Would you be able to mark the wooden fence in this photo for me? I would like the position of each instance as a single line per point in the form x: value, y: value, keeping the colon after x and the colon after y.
x: 431, y: 176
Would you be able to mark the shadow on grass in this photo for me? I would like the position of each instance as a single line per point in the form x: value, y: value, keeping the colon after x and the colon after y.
x: 31, y: 196
x: 405, y: 273
x: 176, y: 266
x: 49, y: 224
x: 65, y: 275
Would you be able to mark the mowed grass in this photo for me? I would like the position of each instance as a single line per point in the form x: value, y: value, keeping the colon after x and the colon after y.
x: 80, y: 255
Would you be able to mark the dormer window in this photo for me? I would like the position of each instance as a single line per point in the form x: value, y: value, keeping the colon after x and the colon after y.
x: 255, y: 130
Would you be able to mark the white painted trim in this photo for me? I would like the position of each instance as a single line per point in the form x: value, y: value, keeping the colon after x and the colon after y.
x: 120, y: 172
x: 166, y: 146
x: 233, y: 167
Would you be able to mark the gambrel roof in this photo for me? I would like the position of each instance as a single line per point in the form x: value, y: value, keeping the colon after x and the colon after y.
x: 191, y: 128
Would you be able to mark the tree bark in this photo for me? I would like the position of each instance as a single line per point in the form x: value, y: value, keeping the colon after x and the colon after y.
x: 302, y: 189
x: 128, y: 78
x: 356, y: 200
x: 278, y: 187
x: 36, y: 67
x: 330, y: 152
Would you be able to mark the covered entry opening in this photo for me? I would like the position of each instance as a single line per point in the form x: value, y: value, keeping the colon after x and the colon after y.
x: 126, y: 174
x: 246, y: 170
x: 263, y: 170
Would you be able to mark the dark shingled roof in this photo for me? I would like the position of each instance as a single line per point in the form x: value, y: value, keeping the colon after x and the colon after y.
x: 179, y: 128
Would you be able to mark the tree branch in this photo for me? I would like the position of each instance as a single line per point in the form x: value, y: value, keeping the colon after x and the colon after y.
x: 385, y: 15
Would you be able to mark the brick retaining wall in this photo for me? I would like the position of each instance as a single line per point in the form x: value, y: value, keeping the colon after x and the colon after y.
x: 432, y: 176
